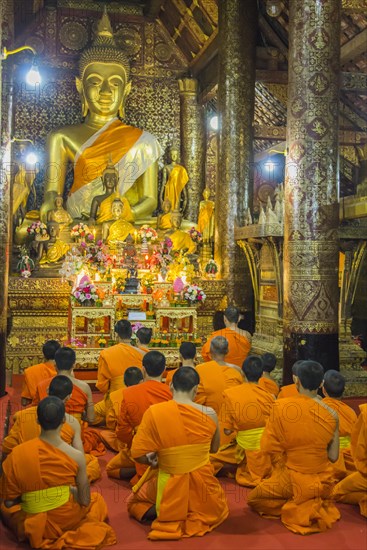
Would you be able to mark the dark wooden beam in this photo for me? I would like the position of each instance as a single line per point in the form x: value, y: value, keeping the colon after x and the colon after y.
x: 354, y: 82
x: 152, y: 8
x: 354, y: 48
x: 278, y: 133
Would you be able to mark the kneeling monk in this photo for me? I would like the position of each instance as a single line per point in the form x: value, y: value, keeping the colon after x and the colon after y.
x: 306, y: 431
x: 47, y: 498
x: 177, y: 436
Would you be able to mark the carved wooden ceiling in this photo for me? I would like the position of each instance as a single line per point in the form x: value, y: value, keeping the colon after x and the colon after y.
x: 192, y: 26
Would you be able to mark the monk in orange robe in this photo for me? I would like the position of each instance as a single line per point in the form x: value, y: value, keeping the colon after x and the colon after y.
x: 306, y: 431
x: 115, y: 360
x: 34, y: 375
x: 108, y: 410
x: 291, y: 389
x: 143, y: 338
x: 333, y: 388
x: 187, y: 354
x: 81, y: 400
x: 353, y: 488
x: 217, y: 375
x: 267, y: 382
x: 136, y: 400
x: 26, y: 427
x: 184, y: 496
x: 47, y: 499
x: 239, y: 341
x: 245, y: 411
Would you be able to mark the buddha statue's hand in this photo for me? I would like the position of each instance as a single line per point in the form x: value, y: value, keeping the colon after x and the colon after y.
x: 47, y: 205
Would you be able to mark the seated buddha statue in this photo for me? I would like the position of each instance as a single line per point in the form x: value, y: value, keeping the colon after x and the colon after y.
x: 101, y: 208
x: 180, y: 239
x: 174, y: 180
x: 59, y: 214
x: 52, y: 250
x: 206, y: 217
x: 164, y: 219
x: 117, y: 230
x: 103, y: 84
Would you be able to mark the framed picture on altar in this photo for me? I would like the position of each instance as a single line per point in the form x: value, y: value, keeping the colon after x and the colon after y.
x: 137, y: 316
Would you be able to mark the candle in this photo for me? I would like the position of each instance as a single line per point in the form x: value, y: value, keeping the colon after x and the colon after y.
x: 135, y: 236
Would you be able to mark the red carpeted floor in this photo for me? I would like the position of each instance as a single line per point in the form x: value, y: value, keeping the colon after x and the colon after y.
x: 242, y: 530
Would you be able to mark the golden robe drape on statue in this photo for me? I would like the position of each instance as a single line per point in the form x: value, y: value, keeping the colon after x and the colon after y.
x: 104, y: 211
x: 190, y: 501
x: 38, y: 466
x: 54, y: 253
x: 176, y: 182
x: 119, y: 230
x: 182, y: 241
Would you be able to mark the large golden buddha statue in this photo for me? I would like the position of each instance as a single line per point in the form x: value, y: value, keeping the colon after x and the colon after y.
x: 103, y: 85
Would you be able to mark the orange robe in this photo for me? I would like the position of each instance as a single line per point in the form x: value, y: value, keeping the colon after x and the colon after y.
x: 288, y: 391
x: 136, y: 400
x: 112, y: 364
x: 108, y: 411
x: 214, y: 379
x: 36, y: 466
x: 347, y: 420
x: 169, y: 376
x: 34, y: 375
x: 298, y: 491
x: 193, y: 502
x: 76, y: 406
x: 269, y: 385
x: 353, y: 488
x: 238, y: 346
x: 246, y: 407
x: 26, y: 427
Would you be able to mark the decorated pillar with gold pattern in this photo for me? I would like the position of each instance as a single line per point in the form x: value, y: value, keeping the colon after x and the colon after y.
x: 192, y: 140
x: 236, y: 95
x: 311, y: 186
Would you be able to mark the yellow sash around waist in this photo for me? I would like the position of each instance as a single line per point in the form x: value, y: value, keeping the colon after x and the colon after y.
x: 344, y: 442
x: 250, y: 439
x: 44, y: 500
x: 179, y: 461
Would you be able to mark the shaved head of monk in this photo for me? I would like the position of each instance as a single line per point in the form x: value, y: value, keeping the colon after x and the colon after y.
x: 252, y: 368
x: 123, y: 329
x: 50, y: 348
x: 231, y: 315
x: 310, y: 374
x: 65, y: 358
x: 187, y: 350
x: 185, y: 380
x: 144, y: 335
x: 269, y: 362
x: 60, y: 386
x: 219, y: 346
x: 132, y: 376
x: 334, y: 383
x: 50, y: 413
x: 154, y: 364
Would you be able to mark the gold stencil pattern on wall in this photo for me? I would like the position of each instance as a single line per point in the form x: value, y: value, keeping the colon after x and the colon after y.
x: 73, y: 35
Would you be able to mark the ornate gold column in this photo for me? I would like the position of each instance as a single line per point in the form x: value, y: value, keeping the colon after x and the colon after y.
x: 311, y: 186
x: 192, y: 144
x: 236, y: 95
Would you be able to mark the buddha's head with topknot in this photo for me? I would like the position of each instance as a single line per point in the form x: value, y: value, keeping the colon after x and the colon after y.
x: 104, y: 70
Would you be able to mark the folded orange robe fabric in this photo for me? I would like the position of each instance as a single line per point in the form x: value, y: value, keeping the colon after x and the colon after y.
x: 108, y: 411
x: 112, y: 364
x: 353, y: 488
x: 136, y: 400
x: 239, y: 346
x: 298, y: 491
x: 347, y: 420
x: 34, y: 375
x: 37, y: 466
x: 269, y: 385
x: 214, y: 379
x: 288, y: 391
x: 26, y: 427
x: 169, y: 376
x: 245, y: 407
x: 193, y: 503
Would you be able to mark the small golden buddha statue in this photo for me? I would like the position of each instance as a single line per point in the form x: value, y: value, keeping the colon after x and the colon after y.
x: 103, y: 85
x: 206, y: 217
x: 101, y: 208
x: 180, y: 239
x: 164, y: 219
x: 174, y: 181
x: 23, y: 183
x: 52, y: 250
x: 59, y: 214
x: 118, y: 230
